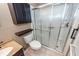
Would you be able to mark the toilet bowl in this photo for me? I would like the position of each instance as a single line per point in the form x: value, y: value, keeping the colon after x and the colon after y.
x: 34, y: 44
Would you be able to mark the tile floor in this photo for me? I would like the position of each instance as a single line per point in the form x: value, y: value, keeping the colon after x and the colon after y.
x: 42, y: 52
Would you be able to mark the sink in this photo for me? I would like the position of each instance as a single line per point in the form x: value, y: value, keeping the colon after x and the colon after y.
x: 5, y: 51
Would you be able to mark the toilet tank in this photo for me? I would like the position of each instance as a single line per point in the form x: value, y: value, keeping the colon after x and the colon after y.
x: 28, y: 38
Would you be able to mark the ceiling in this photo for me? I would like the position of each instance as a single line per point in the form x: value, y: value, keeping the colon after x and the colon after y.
x: 37, y: 4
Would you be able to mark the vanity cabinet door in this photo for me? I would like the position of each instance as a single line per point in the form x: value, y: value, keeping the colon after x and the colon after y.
x: 19, y: 53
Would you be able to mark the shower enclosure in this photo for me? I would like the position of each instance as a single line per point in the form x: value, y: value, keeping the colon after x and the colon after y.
x: 52, y: 24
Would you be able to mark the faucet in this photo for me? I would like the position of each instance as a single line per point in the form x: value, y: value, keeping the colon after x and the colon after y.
x: 1, y: 42
x: 0, y: 46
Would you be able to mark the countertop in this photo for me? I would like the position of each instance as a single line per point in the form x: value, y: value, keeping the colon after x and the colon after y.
x: 16, y: 47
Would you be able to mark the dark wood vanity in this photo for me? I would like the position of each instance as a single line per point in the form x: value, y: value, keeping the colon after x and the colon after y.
x: 19, y: 53
x: 17, y: 49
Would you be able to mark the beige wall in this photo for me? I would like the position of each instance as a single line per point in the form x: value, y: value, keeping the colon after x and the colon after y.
x: 7, y: 28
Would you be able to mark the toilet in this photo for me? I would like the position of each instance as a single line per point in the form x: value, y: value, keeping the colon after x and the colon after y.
x: 34, y: 44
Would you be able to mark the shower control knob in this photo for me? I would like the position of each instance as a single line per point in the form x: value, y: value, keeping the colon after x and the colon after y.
x: 0, y: 47
x: 67, y: 24
x: 51, y: 27
x: 57, y: 46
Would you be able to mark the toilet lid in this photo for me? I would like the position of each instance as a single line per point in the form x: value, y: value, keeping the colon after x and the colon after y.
x: 35, y: 44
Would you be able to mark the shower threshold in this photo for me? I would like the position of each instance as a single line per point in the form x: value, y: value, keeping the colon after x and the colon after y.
x: 44, y: 51
x: 53, y: 50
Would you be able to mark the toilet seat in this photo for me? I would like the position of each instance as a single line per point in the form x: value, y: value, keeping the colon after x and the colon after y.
x: 35, y: 45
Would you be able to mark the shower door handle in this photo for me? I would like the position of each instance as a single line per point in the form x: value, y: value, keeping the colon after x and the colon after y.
x: 51, y: 27
x: 74, y: 33
x: 65, y: 25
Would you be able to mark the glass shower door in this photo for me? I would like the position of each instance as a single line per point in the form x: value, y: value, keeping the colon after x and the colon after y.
x: 56, y: 20
x: 52, y: 24
x: 37, y: 20
x: 45, y: 14
x: 69, y: 11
